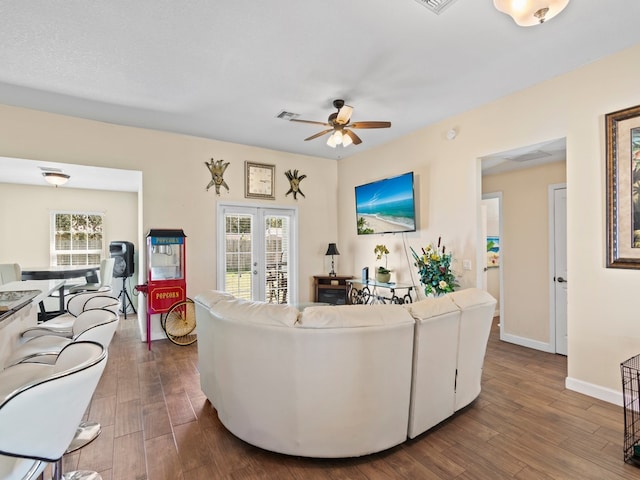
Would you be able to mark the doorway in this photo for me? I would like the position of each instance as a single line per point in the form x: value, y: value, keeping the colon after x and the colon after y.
x: 257, y: 253
x: 491, y: 236
x: 523, y: 177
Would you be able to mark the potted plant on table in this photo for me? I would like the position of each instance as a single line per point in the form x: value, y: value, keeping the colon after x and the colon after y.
x: 434, y: 269
x: 383, y: 274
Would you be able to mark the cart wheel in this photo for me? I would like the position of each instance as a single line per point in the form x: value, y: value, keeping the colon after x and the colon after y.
x: 180, y: 323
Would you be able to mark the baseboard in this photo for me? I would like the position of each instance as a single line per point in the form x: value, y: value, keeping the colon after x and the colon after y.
x: 595, y: 391
x: 527, y: 342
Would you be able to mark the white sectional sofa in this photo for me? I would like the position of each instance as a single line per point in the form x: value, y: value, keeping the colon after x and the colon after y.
x: 340, y: 381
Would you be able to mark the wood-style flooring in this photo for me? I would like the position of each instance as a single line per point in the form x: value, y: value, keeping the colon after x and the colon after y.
x: 157, y: 425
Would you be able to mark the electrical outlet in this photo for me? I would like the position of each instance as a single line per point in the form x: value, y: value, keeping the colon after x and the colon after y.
x: 466, y: 264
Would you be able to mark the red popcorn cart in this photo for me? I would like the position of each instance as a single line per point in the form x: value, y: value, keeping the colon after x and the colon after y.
x: 166, y: 286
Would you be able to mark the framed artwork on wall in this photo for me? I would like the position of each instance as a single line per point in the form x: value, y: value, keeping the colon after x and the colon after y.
x: 623, y: 188
x: 493, y: 252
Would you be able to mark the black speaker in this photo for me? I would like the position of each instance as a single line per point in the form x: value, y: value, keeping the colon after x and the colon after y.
x: 122, y: 252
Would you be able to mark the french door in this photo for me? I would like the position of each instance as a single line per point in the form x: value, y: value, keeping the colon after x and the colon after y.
x: 257, y: 253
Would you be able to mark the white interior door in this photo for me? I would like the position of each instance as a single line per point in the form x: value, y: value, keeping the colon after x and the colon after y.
x: 257, y: 252
x: 560, y: 278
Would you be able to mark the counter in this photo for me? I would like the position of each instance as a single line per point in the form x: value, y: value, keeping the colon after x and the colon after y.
x: 19, y: 310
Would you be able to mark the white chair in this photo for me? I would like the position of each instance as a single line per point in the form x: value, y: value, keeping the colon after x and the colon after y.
x: 33, y: 433
x: 10, y: 272
x: 106, y: 276
x: 63, y: 324
x: 98, y: 325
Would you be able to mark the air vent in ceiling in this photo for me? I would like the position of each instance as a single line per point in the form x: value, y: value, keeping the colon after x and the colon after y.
x: 284, y: 115
x: 526, y: 157
x: 436, y: 6
x: 49, y: 169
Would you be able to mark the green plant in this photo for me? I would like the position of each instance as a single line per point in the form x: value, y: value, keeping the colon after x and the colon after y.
x: 382, y: 251
x: 434, y: 269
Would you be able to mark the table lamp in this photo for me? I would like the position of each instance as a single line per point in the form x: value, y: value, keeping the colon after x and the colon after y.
x: 332, y: 250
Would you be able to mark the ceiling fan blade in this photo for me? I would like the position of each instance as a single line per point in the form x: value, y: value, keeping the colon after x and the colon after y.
x: 355, y: 138
x: 344, y: 115
x: 324, y: 124
x: 370, y: 125
x: 319, y: 134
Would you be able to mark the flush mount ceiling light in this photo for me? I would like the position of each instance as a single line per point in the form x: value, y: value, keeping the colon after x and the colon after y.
x: 56, y: 178
x: 530, y: 12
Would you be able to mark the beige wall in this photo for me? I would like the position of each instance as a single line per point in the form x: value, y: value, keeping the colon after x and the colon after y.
x: 603, y: 306
x: 525, y: 248
x: 174, y: 178
x: 25, y: 212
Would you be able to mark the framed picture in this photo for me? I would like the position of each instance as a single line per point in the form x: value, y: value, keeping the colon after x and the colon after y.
x: 260, y: 180
x: 623, y: 188
x: 493, y: 252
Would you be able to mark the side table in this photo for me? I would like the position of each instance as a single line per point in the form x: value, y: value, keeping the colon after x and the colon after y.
x: 372, y: 291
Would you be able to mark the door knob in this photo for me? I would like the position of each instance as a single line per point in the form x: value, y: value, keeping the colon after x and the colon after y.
x: 562, y: 280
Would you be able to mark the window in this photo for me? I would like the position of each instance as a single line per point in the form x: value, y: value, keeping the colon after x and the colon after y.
x: 76, y: 238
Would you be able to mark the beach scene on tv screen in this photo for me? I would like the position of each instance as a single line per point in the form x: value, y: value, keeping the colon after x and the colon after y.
x: 386, y: 206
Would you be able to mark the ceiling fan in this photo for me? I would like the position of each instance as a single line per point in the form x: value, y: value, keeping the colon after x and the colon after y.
x: 340, y: 126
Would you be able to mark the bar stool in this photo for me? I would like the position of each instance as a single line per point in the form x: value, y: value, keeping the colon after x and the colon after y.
x: 33, y: 433
x: 63, y: 324
x: 98, y: 325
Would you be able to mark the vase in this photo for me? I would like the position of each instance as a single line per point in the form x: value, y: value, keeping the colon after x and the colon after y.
x: 383, y: 277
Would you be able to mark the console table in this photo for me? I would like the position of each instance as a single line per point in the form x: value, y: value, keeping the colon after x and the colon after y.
x: 332, y: 290
x: 371, y: 291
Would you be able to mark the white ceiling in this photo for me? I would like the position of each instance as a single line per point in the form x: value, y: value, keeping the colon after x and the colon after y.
x: 224, y: 69
x: 29, y: 172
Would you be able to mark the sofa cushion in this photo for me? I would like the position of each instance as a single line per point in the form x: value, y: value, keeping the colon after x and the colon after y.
x: 471, y: 297
x: 431, y: 307
x: 347, y: 316
x: 241, y: 310
x: 210, y: 298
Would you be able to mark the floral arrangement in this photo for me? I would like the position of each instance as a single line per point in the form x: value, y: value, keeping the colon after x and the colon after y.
x: 434, y: 268
x: 382, y: 251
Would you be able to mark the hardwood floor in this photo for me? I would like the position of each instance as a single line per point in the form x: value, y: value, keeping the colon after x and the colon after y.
x: 525, y: 425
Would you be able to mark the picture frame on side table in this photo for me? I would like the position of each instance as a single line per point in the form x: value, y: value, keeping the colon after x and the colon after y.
x: 623, y: 188
x: 260, y: 180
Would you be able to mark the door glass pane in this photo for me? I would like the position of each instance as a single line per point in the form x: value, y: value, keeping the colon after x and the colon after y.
x: 276, y: 249
x: 238, y: 251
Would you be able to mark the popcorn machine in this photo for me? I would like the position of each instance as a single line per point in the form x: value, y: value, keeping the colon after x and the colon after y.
x: 166, y: 286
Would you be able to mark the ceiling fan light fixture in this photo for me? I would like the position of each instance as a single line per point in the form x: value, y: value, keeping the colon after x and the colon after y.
x: 530, y: 12
x: 346, y: 140
x: 338, y: 137
x: 56, y: 179
x: 344, y: 114
x: 331, y: 141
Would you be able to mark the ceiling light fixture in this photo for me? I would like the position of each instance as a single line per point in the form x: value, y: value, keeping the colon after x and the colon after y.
x: 56, y: 179
x: 530, y: 12
x: 339, y: 138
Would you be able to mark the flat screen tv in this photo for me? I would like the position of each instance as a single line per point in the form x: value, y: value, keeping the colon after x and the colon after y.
x: 386, y: 206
